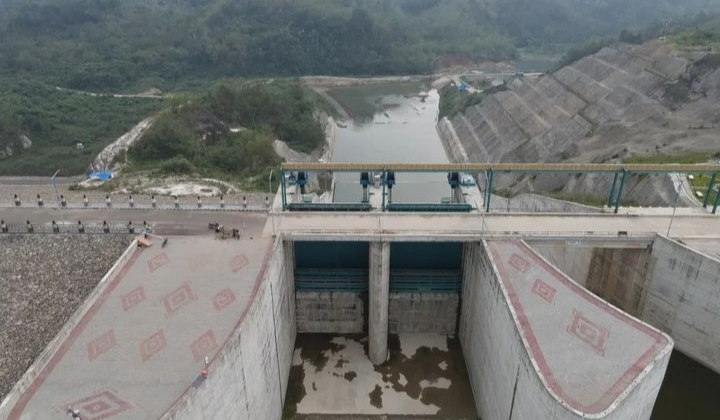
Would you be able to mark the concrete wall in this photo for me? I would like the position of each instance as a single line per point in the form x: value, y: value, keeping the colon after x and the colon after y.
x: 504, y: 379
x: 450, y: 141
x: 683, y: 300
x: 672, y: 287
x: 574, y: 261
x: 620, y: 276
x: 423, y: 312
x: 538, y: 203
x: 330, y: 312
x: 248, y: 377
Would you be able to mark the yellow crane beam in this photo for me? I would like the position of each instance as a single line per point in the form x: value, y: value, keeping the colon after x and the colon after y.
x: 501, y: 167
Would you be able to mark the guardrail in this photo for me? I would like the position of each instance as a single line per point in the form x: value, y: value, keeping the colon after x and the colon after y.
x: 483, y: 233
x: 127, y: 206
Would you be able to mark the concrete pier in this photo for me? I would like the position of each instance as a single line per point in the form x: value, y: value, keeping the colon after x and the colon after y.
x: 379, y: 291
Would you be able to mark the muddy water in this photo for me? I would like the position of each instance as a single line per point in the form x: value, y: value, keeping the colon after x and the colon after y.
x: 391, y: 124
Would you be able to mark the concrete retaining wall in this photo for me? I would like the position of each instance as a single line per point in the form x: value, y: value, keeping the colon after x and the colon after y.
x: 330, y: 312
x: 538, y: 203
x: 248, y: 378
x: 683, y: 300
x: 619, y: 276
x: 451, y: 142
x: 574, y: 261
x: 673, y: 288
x: 423, y: 312
x: 505, y: 382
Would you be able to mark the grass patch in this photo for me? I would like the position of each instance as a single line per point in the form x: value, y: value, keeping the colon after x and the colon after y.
x: 453, y: 102
x: 700, y: 183
x: 686, y: 158
x: 705, y: 38
x: 575, y: 198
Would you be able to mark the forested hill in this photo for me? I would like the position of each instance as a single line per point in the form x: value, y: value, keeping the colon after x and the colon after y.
x: 134, y: 44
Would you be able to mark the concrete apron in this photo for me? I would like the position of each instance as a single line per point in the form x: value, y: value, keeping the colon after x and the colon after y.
x: 425, y: 377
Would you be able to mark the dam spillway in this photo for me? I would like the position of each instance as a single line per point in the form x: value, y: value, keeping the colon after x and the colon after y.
x: 249, y: 369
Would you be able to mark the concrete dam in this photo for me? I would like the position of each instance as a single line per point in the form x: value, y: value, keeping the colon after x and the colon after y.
x: 547, y: 327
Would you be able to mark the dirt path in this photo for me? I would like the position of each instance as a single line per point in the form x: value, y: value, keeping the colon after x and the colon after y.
x: 149, y: 94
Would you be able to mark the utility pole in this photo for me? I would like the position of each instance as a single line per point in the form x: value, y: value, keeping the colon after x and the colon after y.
x: 677, y: 196
x: 52, y: 181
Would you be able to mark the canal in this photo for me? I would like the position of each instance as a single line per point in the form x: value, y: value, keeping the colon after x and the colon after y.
x: 396, y: 123
x: 391, y: 124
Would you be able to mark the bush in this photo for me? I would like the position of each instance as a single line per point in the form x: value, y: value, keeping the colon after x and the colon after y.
x: 177, y: 165
x: 168, y: 137
x: 582, y: 51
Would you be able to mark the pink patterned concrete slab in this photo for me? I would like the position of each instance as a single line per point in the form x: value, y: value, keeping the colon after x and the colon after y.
x: 587, y: 352
x: 145, y: 338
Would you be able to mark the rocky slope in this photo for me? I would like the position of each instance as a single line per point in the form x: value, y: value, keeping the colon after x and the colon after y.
x: 10, y: 142
x: 625, y: 100
x: 43, y: 280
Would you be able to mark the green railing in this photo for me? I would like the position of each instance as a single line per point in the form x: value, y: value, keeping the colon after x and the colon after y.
x: 331, y: 280
x: 329, y: 207
x: 621, y: 172
x: 425, y: 281
x: 430, y: 208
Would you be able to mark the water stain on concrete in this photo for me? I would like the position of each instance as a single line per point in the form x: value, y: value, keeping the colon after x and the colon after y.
x: 295, y: 391
x: 376, y: 397
x: 427, y: 365
x: 313, y: 347
x: 414, y: 375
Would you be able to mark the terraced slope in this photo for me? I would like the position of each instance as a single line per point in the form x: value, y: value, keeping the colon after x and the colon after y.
x: 625, y: 100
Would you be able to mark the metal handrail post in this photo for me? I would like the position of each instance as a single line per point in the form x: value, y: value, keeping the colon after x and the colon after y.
x: 717, y: 201
x: 620, y: 192
x: 489, y: 182
x: 283, y: 189
x: 384, y: 182
x: 706, y: 200
x: 612, y: 190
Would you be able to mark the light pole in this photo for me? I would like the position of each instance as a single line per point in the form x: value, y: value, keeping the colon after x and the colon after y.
x: 52, y: 181
x: 272, y: 210
x: 677, y: 196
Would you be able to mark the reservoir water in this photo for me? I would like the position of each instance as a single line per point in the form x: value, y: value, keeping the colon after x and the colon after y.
x: 391, y: 124
x: 396, y: 123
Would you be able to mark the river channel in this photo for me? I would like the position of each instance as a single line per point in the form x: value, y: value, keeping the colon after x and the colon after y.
x: 391, y: 124
x: 396, y: 123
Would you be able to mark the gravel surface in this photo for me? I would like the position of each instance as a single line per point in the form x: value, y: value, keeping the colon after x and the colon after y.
x: 43, y: 280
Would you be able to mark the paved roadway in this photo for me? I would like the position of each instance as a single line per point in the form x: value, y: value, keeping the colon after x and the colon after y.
x: 173, y: 222
x: 468, y: 226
